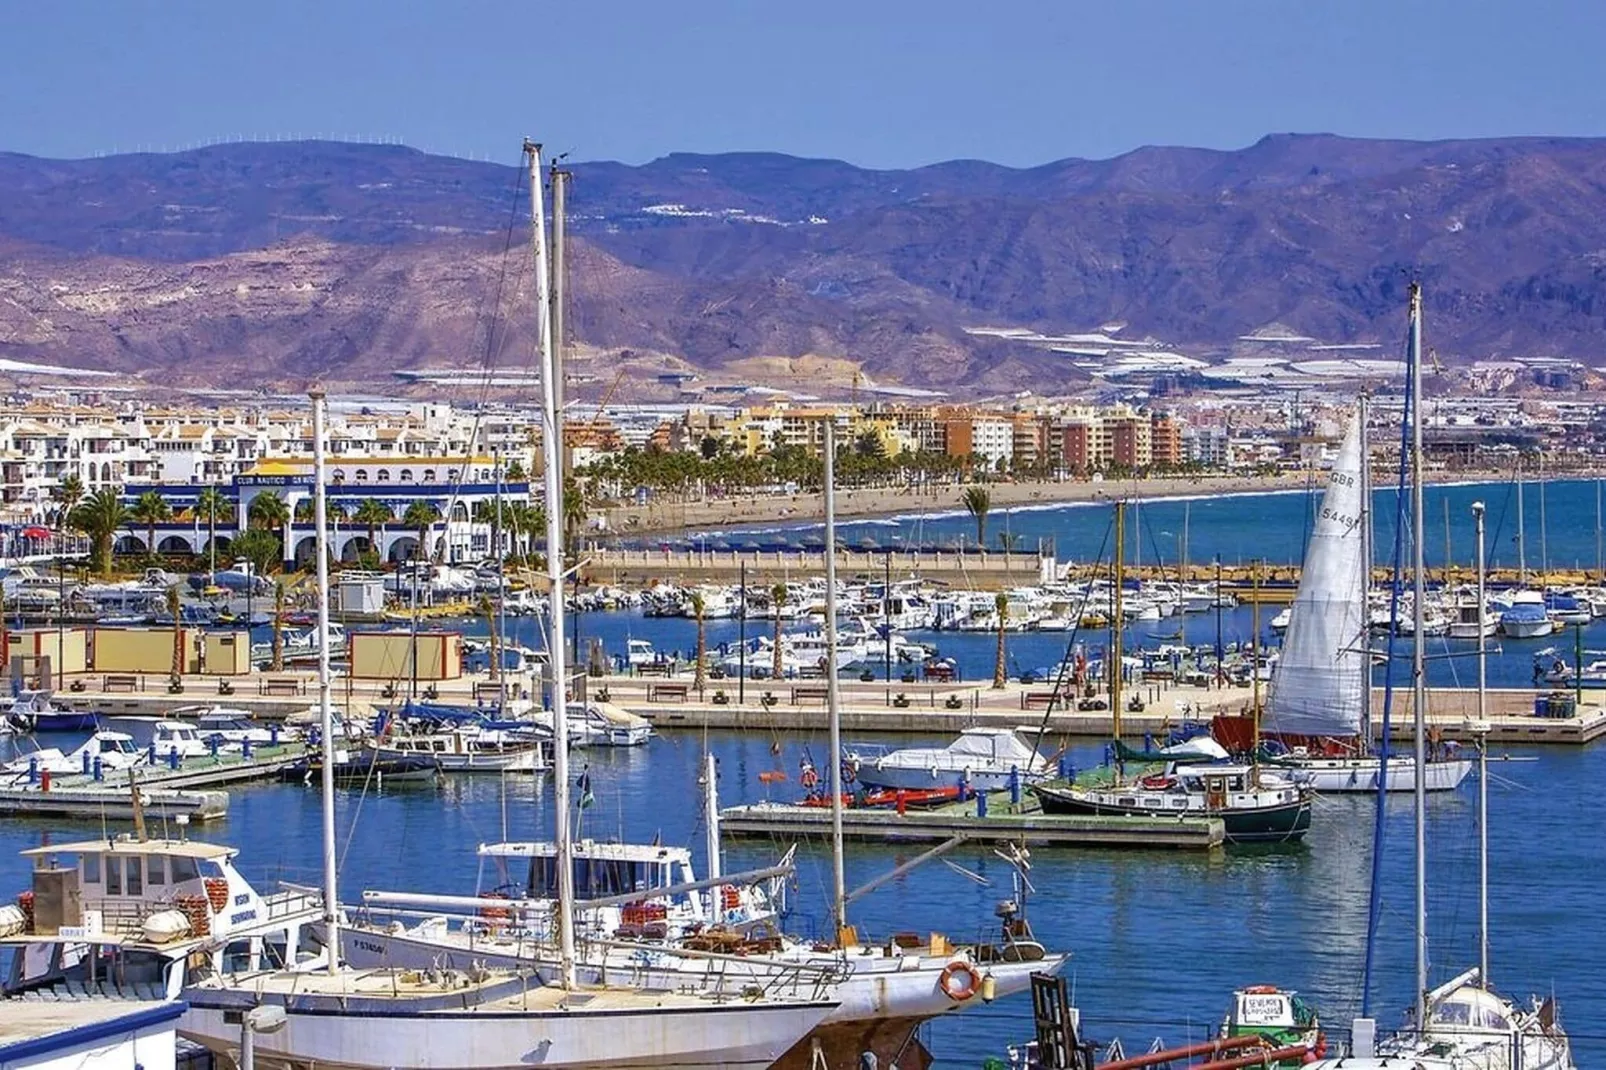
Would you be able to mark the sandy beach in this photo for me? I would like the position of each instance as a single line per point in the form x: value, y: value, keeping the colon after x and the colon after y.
x: 748, y: 511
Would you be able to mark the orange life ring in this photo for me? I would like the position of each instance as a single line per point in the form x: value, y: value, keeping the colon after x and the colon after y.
x: 809, y: 778
x: 959, y: 981
x: 730, y: 897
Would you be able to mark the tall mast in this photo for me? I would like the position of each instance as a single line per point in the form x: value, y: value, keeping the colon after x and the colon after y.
x: 1365, y: 638
x: 552, y: 484
x: 1418, y: 665
x: 1522, y: 538
x: 326, y: 712
x: 560, y: 279
x: 1116, y: 621
x: 1483, y: 770
x: 839, y: 899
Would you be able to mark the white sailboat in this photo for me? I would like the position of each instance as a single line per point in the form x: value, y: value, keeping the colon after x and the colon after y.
x: 1320, y: 695
x: 333, y: 1015
x: 1462, y: 1024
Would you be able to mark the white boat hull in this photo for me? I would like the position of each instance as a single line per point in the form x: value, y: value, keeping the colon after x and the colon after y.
x: 923, y: 778
x: 503, y: 1036
x: 1525, y: 629
x: 1334, y: 776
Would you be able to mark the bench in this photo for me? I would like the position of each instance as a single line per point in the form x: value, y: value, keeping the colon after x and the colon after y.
x: 121, y: 682
x: 283, y: 685
x: 655, y: 668
x: 810, y: 694
x: 943, y: 674
x: 668, y: 692
x: 495, y: 692
x: 1039, y: 700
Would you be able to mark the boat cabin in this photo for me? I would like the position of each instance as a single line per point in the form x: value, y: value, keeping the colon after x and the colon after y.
x: 600, y: 869
x: 134, y: 914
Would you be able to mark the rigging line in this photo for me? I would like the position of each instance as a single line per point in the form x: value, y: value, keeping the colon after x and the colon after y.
x: 1070, y: 643
x: 488, y: 361
x: 1396, y: 587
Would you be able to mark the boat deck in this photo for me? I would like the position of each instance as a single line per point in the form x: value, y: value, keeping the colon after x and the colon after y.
x: 1005, y: 822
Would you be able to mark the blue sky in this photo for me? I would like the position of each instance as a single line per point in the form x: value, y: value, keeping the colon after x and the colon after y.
x: 882, y: 83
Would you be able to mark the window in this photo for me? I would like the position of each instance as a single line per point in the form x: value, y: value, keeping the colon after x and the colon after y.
x: 384, y: 475
x: 155, y: 870
x: 132, y: 874
x: 406, y: 475
x: 339, y: 475
x: 92, y: 869
x: 429, y: 475
x: 362, y: 475
x: 114, y: 876
x: 184, y: 869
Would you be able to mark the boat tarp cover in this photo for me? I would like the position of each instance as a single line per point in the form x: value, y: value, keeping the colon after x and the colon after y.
x: 1319, y: 684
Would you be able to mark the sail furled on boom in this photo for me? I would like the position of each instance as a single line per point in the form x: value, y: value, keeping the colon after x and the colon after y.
x: 1319, y: 684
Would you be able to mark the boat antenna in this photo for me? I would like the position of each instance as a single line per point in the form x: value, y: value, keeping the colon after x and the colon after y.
x: 326, y: 713
x: 1418, y: 663
x: 833, y: 698
x: 552, y: 482
x: 1481, y: 730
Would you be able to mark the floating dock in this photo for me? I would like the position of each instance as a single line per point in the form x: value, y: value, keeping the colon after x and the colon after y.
x: 103, y: 803
x: 1003, y: 823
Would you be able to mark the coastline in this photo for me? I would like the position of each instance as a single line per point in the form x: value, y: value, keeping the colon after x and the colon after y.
x: 871, y: 503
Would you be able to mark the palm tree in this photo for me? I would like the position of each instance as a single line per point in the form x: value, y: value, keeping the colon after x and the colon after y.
x: 978, y: 502
x: 371, y: 513
x: 489, y: 611
x: 277, y: 664
x: 173, y: 609
x: 1001, y: 605
x: 262, y: 548
x: 777, y: 598
x: 700, y: 677
x: 100, y: 516
x: 150, y: 509
x: 68, y: 492
x: 421, y: 516
x: 269, y: 513
x: 212, y: 506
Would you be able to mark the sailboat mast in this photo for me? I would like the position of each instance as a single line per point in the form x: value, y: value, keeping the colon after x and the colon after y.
x: 1418, y: 664
x: 326, y: 712
x: 1483, y: 769
x: 1365, y: 638
x: 833, y: 698
x: 1522, y: 535
x: 552, y: 485
x: 1116, y: 621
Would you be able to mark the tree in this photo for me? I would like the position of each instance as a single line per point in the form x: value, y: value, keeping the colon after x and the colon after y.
x: 700, y: 670
x: 978, y: 502
x: 262, y: 548
x: 371, y: 513
x: 173, y: 609
x: 69, y: 492
x: 1001, y: 606
x: 777, y: 600
x: 101, y: 516
x: 420, y: 517
x: 212, y: 507
x: 488, y: 610
x: 268, y: 512
x: 277, y: 664
x: 514, y: 472
x: 150, y: 509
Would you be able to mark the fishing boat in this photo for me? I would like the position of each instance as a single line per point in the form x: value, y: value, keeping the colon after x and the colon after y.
x: 466, y: 748
x: 987, y: 759
x: 33, y: 711
x: 104, y: 750
x: 1286, y: 1024
x: 1316, y: 724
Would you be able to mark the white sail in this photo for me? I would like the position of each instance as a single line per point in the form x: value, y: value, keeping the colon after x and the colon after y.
x: 1320, y: 684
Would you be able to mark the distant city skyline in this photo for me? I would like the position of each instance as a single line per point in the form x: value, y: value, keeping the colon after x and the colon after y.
x: 887, y: 85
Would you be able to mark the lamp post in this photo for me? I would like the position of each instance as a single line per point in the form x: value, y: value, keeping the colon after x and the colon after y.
x: 267, y: 1020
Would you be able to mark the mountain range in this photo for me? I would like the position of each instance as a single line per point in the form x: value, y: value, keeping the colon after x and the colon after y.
x: 276, y: 263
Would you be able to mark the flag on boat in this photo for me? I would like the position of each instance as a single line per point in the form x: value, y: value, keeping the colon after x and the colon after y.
x: 584, y: 785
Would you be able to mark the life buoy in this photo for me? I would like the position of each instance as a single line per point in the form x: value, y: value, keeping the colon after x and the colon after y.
x: 809, y: 778
x: 730, y: 897
x: 959, y: 981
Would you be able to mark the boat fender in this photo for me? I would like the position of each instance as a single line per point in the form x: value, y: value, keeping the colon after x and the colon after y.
x: 959, y: 981
x: 809, y: 778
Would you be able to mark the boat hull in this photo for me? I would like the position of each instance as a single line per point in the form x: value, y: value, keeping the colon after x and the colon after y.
x: 924, y: 778
x: 1278, y: 823
x: 1337, y: 776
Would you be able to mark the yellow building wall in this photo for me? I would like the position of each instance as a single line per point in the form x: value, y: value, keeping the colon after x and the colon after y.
x: 68, y: 650
x: 144, y: 650
x: 226, y: 653
x: 389, y: 656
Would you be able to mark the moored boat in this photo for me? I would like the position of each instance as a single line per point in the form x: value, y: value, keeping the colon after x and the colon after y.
x: 1254, y: 805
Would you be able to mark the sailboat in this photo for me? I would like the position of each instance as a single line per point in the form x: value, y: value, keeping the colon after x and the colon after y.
x: 329, y: 1014
x: 1463, y: 1024
x: 1319, y: 706
x: 1255, y: 805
